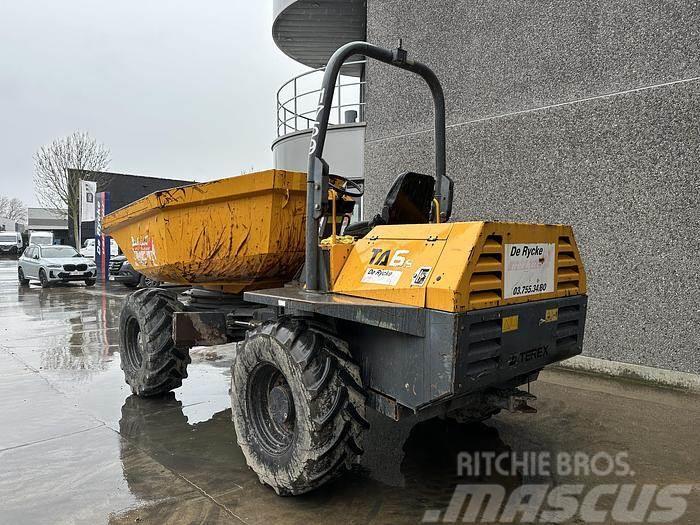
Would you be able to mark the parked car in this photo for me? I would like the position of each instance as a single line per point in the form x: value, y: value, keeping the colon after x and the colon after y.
x: 11, y: 243
x: 41, y: 238
x: 120, y: 270
x: 88, y: 249
x: 52, y: 264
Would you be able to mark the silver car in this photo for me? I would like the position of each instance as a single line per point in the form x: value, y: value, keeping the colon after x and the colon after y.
x: 52, y: 264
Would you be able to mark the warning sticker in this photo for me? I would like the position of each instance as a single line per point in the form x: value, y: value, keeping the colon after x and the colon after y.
x: 529, y: 269
x: 385, y: 277
x: 421, y: 276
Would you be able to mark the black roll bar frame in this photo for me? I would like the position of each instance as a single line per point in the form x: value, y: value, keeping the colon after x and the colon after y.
x: 317, y: 175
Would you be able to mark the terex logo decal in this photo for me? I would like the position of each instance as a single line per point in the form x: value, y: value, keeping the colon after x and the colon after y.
x: 528, y: 355
x: 381, y: 257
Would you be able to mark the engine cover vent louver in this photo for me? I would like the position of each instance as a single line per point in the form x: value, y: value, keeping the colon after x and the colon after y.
x: 568, y: 276
x: 486, y: 282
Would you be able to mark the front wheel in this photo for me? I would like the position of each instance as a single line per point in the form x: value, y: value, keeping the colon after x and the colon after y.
x: 90, y: 282
x: 147, y: 282
x: 23, y: 281
x: 151, y: 362
x: 297, y: 404
x: 43, y: 279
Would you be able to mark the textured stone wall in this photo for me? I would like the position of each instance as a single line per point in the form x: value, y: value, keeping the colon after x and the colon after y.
x: 585, y: 113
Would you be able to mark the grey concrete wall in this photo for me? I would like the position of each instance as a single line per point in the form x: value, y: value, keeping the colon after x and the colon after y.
x: 585, y: 113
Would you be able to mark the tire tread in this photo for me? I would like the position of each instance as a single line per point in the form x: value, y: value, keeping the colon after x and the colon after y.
x: 331, y: 381
x: 165, y: 366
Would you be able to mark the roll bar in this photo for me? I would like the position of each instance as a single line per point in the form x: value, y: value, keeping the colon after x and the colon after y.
x: 317, y: 175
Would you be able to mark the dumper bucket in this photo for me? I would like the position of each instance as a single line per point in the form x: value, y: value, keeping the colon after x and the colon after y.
x: 235, y: 234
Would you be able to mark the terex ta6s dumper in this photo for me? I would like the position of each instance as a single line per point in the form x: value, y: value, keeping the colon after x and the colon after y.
x: 408, y: 314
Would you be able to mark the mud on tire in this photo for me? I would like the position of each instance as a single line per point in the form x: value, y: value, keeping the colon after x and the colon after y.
x: 151, y: 363
x: 297, y: 404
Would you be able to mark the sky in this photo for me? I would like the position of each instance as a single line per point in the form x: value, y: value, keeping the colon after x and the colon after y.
x: 174, y: 88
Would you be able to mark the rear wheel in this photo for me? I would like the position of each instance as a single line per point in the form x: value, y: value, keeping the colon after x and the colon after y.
x: 297, y: 404
x: 23, y: 281
x: 43, y: 279
x: 151, y: 362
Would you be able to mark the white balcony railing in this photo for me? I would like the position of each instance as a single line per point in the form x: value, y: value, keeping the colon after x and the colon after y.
x: 297, y: 100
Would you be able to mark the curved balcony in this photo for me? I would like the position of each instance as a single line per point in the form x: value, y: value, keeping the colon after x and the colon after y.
x: 310, y: 30
x: 297, y: 101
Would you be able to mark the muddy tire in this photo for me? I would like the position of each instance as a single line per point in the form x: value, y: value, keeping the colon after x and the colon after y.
x: 297, y: 404
x: 23, y: 281
x: 151, y: 363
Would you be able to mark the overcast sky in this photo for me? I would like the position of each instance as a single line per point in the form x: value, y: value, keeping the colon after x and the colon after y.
x: 174, y: 88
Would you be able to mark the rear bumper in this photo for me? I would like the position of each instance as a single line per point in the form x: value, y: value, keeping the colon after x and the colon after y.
x: 466, y: 353
x: 498, y: 344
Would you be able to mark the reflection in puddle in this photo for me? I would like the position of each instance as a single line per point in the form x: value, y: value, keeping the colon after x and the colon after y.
x: 178, y: 460
x: 77, y: 330
x: 175, y: 449
x: 159, y: 425
x: 206, y: 453
x: 431, y: 456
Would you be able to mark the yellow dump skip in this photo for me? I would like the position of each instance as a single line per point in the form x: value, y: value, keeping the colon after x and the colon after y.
x: 235, y: 234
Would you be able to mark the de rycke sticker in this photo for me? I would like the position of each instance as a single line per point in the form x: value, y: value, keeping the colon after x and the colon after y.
x: 421, y: 276
x: 529, y: 269
x: 384, y: 277
x: 144, y: 250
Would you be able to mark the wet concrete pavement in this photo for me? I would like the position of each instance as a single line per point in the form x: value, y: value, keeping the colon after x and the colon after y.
x: 76, y: 447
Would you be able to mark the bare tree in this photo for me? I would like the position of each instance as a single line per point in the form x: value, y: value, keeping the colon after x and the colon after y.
x: 13, y: 209
x: 54, y: 185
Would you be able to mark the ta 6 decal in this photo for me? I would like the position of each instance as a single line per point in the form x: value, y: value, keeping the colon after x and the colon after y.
x: 384, y: 277
x: 529, y: 269
x: 381, y: 257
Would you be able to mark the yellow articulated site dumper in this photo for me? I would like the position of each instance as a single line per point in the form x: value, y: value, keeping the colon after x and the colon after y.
x: 408, y: 313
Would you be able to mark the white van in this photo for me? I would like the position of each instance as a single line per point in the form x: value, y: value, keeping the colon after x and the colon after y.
x: 10, y: 243
x: 41, y: 238
x: 88, y: 249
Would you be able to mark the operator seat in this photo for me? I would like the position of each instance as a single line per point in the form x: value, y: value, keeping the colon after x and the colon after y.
x: 409, y: 201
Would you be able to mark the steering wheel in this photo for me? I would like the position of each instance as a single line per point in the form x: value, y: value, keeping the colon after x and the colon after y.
x: 348, y: 185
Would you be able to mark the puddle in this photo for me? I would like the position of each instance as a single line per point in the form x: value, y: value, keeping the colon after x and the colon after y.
x: 114, y: 457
